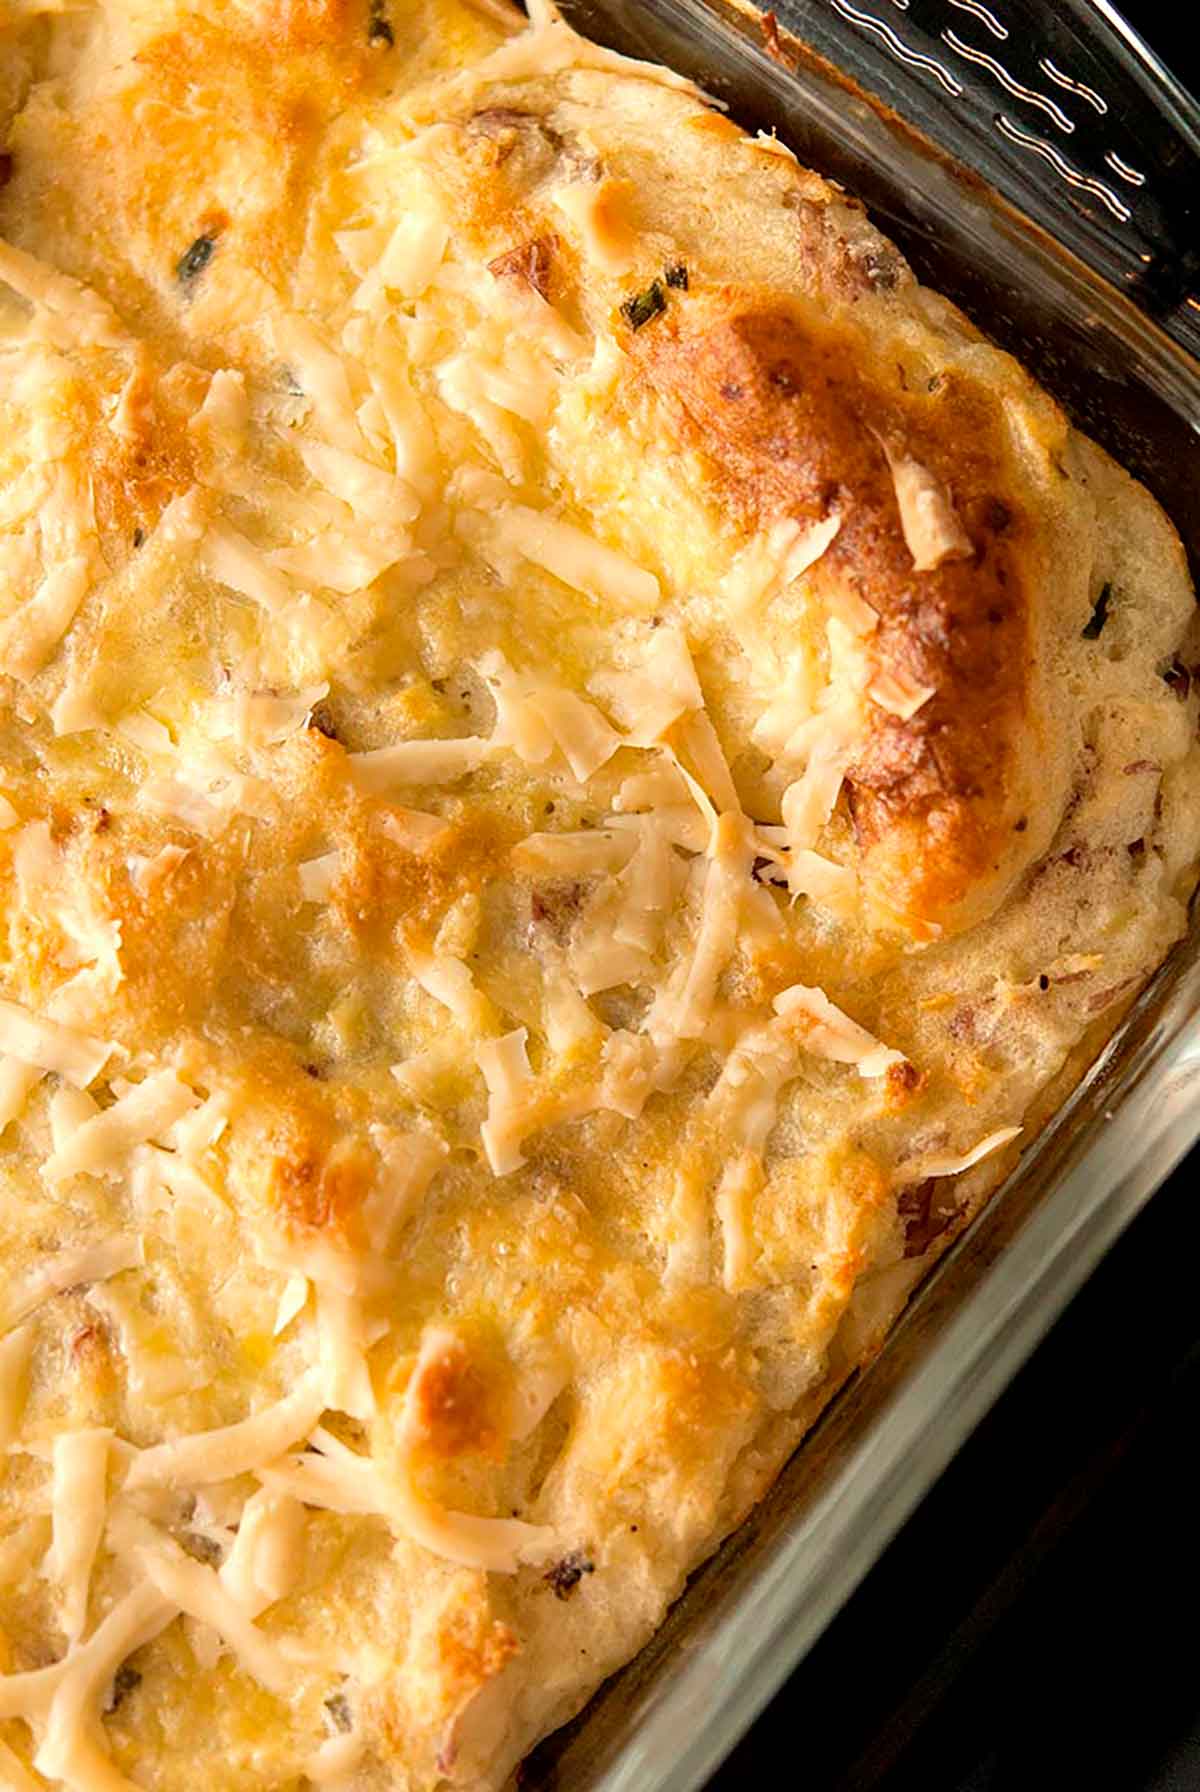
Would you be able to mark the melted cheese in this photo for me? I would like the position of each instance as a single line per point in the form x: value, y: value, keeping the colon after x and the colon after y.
x: 15, y: 1352
x: 598, y: 212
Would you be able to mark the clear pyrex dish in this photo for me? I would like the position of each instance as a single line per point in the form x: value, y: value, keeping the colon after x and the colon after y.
x: 1037, y: 164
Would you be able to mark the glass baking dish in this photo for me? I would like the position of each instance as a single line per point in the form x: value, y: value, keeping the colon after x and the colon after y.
x: 1043, y: 169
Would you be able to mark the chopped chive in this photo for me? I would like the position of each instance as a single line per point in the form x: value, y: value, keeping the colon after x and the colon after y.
x: 379, y: 30
x: 643, y: 306
x: 677, y: 276
x: 1099, y: 616
x: 566, y: 1575
x: 125, y: 1681
x: 194, y: 260
x: 339, y: 1711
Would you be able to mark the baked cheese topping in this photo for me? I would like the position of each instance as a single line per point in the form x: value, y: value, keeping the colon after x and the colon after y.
x: 581, y: 765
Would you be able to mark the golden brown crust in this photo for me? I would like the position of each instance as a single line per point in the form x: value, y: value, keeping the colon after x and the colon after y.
x: 791, y: 416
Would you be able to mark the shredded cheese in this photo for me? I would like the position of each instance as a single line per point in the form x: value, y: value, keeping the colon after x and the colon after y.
x: 682, y: 1008
x: 409, y: 261
x: 932, y: 530
x: 292, y: 1302
x: 336, y: 1477
x: 343, y: 1336
x: 448, y: 980
x: 574, y: 557
x: 949, y: 1163
x: 78, y: 1504
x: 410, y: 1161
x: 899, y: 694
x: 505, y: 1067
x: 192, y: 1588
x: 337, y: 1757
x: 17, y: 1082
x: 741, y: 1181
x: 416, y: 762
x: 266, y: 1559
x: 78, y: 315
x: 100, y: 1146
x: 323, y: 376
x: 67, y: 1696
x: 199, y: 1459
x: 586, y: 853
x: 648, y: 697
x: 29, y: 640
x: 774, y: 558
x: 374, y: 495
x: 66, y: 1269
x: 234, y: 561
x: 827, y: 1032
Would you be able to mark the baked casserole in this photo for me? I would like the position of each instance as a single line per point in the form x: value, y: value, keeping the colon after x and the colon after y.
x: 582, y: 763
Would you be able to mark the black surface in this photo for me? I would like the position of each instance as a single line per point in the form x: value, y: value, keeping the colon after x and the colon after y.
x: 1035, y: 1623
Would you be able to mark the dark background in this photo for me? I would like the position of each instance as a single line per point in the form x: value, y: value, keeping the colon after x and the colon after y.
x: 1037, y: 1623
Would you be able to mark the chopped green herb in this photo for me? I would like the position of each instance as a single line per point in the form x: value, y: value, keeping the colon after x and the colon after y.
x: 1099, y: 614
x: 139, y: 536
x: 566, y: 1575
x: 339, y: 1711
x: 379, y: 30
x: 677, y: 276
x: 125, y: 1681
x: 194, y: 260
x: 202, y: 1549
x: 643, y: 306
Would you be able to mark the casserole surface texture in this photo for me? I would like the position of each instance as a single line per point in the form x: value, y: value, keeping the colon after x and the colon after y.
x: 582, y: 762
